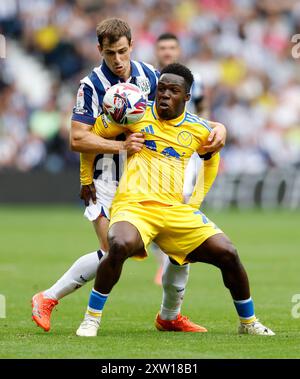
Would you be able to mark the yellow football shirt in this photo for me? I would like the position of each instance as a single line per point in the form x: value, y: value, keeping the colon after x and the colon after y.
x: 156, y: 173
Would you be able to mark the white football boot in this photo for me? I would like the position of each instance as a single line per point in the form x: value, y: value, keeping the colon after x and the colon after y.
x: 256, y: 328
x: 89, y: 327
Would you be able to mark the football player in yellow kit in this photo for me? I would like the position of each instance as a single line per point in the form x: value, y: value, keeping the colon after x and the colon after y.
x: 148, y: 203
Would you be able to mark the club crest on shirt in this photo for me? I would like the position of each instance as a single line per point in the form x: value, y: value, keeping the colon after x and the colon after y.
x: 143, y: 84
x: 185, y: 138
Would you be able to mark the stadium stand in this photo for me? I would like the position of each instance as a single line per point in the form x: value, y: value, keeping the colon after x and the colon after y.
x: 251, y: 79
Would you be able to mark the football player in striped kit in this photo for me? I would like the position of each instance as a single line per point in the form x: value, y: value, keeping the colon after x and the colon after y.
x: 115, y: 46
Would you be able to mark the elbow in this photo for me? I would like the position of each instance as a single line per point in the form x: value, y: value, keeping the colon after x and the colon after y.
x: 77, y: 137
x: 73, y: 144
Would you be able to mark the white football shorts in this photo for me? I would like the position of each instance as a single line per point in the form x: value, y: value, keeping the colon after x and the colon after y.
x: 105, y: 192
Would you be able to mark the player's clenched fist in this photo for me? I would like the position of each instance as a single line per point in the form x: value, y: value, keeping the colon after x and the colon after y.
x: 134, y: 143
x: 88, y: 192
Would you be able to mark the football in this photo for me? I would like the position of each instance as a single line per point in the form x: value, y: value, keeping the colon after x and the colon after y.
x: 124, y: 103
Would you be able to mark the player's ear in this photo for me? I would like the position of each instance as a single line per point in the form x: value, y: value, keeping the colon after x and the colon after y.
x: 100, y: 49
x: 131, y: 45
x: 187, y: 97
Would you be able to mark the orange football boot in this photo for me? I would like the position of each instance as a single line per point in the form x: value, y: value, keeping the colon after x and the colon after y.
x: 41, y: 310
x: 180, y: 324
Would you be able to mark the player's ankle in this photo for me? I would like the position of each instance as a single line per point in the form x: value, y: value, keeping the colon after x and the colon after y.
x: 168, y: 314
x: 49, y: 295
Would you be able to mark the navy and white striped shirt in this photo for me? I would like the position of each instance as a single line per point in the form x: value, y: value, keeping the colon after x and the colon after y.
x: 93, y: 87
x: 90, y: 98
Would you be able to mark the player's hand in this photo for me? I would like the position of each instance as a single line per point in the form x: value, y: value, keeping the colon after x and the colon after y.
x: 134, y: 143
x: 88, y: 192
x: 216, y: 139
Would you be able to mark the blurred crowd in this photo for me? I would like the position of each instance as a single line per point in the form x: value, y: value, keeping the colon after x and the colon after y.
x: 241, y: 48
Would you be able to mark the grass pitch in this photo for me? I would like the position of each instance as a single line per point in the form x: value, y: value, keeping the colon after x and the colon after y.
x: 37, y: 244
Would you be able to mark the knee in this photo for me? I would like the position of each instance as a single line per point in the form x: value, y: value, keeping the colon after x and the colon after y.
x: 229, y: 257
x: 120, y: 248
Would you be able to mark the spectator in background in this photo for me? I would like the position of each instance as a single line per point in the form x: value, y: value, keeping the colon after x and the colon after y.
x: 241, y: 49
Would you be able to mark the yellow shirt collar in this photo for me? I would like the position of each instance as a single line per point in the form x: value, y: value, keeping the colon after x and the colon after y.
x: 174, y: 122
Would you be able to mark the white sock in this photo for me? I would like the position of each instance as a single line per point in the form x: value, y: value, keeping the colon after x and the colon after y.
x: 159, y: 254
x: 174, y: 281
x: 81, y: 272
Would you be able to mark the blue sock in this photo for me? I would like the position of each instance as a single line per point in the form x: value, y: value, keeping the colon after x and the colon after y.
x: 96, y: 303
x: 245, y: 310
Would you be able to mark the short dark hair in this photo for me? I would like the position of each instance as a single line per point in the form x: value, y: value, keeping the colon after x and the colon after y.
x: 180, y: 70
x: 113, y: 29
x: 166, y: 36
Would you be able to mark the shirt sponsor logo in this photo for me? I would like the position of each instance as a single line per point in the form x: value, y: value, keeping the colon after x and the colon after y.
x: 79, y: 108
x: 104, y: 120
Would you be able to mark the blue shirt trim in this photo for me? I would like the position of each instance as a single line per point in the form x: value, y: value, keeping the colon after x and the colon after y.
x: 152, y: 110
x: 181, y: 122
x: 195, y: 119
x: 84, y: 119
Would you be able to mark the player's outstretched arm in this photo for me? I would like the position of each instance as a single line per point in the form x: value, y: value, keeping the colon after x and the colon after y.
x: 206, y: 177
x: 132, y: 144
x: 83, y: 140
x: 217, y: 137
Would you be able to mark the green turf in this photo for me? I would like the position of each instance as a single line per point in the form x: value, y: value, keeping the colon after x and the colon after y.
x: 38, y: 243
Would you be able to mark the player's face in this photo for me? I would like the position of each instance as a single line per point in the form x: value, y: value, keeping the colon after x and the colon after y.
x: 167, y: 52
x: 117, y: 56
x: 171, y: 96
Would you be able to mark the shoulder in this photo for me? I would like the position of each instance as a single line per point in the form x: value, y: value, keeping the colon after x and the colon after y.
x: 146, y: 68
x: 197, y: 121
x: 96, y: 81
x: 104, y: 127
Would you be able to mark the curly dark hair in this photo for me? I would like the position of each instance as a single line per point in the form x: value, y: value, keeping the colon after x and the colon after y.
x: 180, y: 70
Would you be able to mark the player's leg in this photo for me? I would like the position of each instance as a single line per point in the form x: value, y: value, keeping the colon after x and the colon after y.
x: 174, y: 282
x: 173, y: 279
x: 161, y: 258
x: 181, y: 220
x: 220, y: 252
x: 175, y: 276
x: 124, y: 241
x: 82, y: 271
x: 101, y: 225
